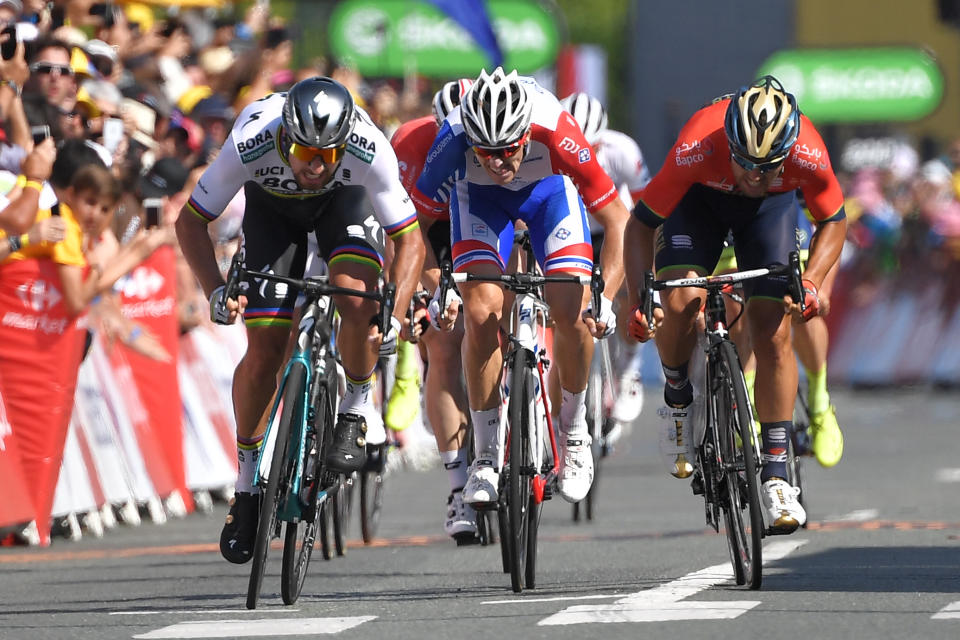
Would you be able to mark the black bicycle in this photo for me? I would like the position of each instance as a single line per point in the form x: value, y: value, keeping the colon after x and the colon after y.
x: 727, y: 460
x: 295, y: 488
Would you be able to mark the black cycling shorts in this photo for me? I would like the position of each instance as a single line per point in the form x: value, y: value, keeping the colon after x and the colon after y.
x: 275, y: 239
x: 764, y: 232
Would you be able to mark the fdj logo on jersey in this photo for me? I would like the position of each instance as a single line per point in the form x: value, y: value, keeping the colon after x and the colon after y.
x: 254, y: 147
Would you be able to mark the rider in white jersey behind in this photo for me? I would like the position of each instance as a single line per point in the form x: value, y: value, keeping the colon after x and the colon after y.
x: 622, y: 159
x: 310, y: 162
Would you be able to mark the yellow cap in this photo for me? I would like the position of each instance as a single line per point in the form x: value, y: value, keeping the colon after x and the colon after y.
x: 141, y: 14
x: 84, y: 100
x: 189, y: 99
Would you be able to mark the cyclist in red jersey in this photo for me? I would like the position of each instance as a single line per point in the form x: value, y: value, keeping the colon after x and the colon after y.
x: 735, y: 167
x: 445, y: 399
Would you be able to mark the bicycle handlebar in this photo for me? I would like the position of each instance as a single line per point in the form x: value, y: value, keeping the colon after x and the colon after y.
x: 792, y: 269
x: 313, y: 286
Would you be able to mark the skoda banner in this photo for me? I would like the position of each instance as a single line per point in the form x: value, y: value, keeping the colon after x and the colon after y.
x: 395, y: 37
x: 859, y: 85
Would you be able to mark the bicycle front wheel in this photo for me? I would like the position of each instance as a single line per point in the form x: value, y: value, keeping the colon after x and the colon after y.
x: 301, y: 535
x: 519, y: 468
x: 739, y: 452
x: 279, y: 479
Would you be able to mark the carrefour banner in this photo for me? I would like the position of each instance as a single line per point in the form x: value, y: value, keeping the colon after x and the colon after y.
x: 878, y: 84
x: 394, y: 37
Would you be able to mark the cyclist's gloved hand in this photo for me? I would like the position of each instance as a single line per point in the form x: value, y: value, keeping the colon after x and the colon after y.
x: 218, y: 306
x: 388, y: 346
x: 811, y: 301
x: 436, y: 311
x: 606, y: 316
x: 638, y: 328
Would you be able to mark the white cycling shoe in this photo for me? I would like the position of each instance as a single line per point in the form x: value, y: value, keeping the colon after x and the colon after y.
x: 480, y: 492
x: 575, y: 474
x: 630, y: 401
x: 676, y: 440
x: 784, y: 511
x: 461, y: 519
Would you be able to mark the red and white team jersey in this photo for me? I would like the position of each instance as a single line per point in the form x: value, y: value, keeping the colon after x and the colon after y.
x: 411, y: 142
x: 701, y: 155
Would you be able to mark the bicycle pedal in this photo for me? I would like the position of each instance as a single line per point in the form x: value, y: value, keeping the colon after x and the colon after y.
x: 773, y: 531
x: 466, y: 539
x: 696, y: 484
x: 484, y: 506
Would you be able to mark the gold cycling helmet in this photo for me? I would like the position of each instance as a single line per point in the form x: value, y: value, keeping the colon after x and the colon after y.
x: 762, y: 122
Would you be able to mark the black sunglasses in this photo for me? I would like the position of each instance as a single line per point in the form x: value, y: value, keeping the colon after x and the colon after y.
x: 762, y: 167
x: 45, y: 68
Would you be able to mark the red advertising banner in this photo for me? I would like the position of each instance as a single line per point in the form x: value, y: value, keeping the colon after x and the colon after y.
x: 42, y: 347
x: 16, y: 507
x: 148, y: 296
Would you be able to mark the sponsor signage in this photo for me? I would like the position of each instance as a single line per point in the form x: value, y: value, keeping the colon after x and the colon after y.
x: 394, y: 37
x: 878, y: 84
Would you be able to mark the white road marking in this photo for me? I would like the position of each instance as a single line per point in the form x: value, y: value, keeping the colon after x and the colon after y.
x: 860, y: 515
x: 263, y: 628
x: 558, y: 598
x: 949, y: 612
x: 948, y: 475
x: 190, y: 611
x: 663, y: 603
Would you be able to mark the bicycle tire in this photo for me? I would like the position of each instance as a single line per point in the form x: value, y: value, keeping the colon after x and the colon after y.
x: 798, y: 445
x: 742, y: 466
x: 502, y: 525
x: 338, y: 510
x: 517, y: 482
x: 326, y: 551
x: 371, y: 504
x: 301, y: 536
x: 280, y: 470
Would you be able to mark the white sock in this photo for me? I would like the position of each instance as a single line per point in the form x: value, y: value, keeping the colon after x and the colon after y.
x: 486, y: 433
x: 573, y: 412
x: 247, y: 457
x: 455, y: 462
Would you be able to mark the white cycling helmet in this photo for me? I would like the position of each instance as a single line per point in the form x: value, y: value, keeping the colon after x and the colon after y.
x: 588, y: 112
x: 496, y: 110
x: 449, y: 97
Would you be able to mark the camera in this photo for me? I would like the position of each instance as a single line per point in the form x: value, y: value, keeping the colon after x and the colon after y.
x: 153, y: 208
x: 40, y: 133
x: 8, y: 48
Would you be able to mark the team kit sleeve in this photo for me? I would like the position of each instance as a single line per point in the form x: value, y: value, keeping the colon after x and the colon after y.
x: 391, y: 204
x: 820, y: 188
x: 219, y: 183
x: 572, y: 156
x: 445, y: 157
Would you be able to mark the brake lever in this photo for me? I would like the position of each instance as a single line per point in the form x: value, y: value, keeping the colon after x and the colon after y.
x: 796, y: 283
x: 647, y: 301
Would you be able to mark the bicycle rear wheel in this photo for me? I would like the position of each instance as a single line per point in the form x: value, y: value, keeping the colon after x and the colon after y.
x: 738, y: 448
x: 518, y: 469
x: 279, y: 479
x: 371, y: 502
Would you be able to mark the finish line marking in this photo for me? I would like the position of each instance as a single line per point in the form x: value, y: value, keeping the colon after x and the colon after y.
x: 557, y: 599
x: 263, y: 628
x: 949, y: 612
x: 669, y: 602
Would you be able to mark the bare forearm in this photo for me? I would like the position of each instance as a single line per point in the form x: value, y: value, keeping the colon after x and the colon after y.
x: 198, y: 251
x: 825, y: 248
x: 406, y: 268
x: 638, y: 256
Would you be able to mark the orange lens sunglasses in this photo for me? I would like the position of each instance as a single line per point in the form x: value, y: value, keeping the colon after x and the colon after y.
x: 503, y: 152
x: 329, y: 155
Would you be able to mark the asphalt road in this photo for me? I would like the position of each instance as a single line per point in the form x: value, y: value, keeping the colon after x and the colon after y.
x: 880, y: 559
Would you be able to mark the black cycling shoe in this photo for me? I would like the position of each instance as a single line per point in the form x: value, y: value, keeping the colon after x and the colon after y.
x: 376, y: 457
x: 240, y: 530
x: 347, y: 452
